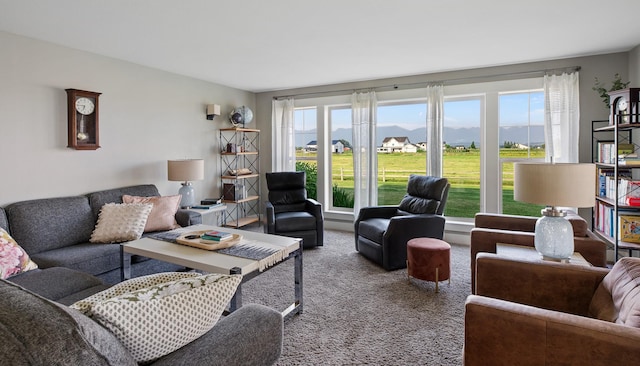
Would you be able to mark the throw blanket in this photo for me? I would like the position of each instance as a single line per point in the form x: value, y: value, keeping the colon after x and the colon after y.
x: 266, y: 254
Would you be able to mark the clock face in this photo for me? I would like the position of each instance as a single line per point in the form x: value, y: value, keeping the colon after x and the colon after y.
x: 622, y: 105
x: 84, y: 106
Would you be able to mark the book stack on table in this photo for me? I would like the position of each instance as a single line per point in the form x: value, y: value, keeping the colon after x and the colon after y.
x: 216, y: 236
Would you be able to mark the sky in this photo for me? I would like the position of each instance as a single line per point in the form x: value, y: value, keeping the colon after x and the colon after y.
x: 515, y: 109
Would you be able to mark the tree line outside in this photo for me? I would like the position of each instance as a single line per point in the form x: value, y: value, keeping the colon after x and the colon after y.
x: 460, y: 167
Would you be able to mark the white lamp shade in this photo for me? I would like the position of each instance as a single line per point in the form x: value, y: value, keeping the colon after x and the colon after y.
x: 559, y: 184
x: 185, y: 170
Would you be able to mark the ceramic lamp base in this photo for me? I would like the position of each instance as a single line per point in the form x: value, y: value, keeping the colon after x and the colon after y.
x: 188, y: 195
x: 554, y: 235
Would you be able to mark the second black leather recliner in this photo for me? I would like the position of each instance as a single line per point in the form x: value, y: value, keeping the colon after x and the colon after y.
x: 289, y: 212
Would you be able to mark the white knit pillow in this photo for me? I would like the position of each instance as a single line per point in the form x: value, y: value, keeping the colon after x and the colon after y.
x: 157, y: 320
x: 118, y: 222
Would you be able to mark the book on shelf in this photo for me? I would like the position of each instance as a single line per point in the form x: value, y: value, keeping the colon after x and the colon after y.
x: 629, y: 192
x: 606, y: 153
x: 629, y: 227
x: 629, y: 162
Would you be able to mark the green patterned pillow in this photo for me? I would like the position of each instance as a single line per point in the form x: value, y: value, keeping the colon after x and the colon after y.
x: 156, y: 320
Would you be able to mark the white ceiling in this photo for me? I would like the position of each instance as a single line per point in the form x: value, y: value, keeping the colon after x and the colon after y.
x: 261, y: 45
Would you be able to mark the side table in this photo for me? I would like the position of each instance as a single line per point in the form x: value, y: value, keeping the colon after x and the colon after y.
x: 530, y: 254
x: 207, y: 215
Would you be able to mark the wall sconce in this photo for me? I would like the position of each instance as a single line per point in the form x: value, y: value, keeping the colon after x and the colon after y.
x: 213, y: 110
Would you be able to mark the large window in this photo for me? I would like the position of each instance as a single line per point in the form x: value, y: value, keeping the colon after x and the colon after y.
x: 487, y: 127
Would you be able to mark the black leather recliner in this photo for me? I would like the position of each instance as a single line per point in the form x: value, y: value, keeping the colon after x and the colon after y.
x: 290, y: 212
x: 382, y: 232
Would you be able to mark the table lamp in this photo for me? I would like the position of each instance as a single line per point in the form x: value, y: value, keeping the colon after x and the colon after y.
x: 186, y: 170
x: 554, y: 185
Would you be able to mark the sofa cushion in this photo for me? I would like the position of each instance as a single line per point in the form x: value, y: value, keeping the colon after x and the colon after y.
x: 120, y: 222
x: 295, y: 221
x: 13, y: 259
x: 100, y: 198
x: 51, y: 223
x: 157, y: 320
x: 373, y: 229
x: 60, y: 284
x: 29, y: 320
x: 163, y: 213
x: 423, y: 194
x: 617, y: 298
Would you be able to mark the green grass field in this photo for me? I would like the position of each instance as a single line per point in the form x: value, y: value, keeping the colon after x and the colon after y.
x: 462, y: 168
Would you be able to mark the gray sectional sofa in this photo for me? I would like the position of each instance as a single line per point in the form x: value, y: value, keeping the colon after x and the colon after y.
x: 37, y: 330
x: 55, y: 232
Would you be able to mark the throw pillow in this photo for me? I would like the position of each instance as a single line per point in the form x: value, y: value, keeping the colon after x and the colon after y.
x: 157, y: 320
x: 13, y: 259
x: 118, y: 222
x: 621, y: 290
x: 163, y: 214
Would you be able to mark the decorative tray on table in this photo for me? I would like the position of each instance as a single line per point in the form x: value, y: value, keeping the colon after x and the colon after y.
x: 193, y: 239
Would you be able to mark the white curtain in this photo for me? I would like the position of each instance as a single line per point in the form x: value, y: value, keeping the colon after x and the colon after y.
x: 435, y: 120
x: 561, y: 117
x: 365, y: 158
x: 284, y: 156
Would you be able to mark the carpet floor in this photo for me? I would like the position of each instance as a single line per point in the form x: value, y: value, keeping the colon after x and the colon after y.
x: 356, y: 313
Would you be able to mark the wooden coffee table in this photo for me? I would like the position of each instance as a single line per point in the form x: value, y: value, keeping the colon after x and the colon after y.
x: 214, y: 262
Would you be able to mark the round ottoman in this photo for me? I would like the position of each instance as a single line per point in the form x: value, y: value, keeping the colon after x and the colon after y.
x: 428, y: 259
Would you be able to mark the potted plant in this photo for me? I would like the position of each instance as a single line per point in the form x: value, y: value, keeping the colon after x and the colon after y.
x: 617, y: 84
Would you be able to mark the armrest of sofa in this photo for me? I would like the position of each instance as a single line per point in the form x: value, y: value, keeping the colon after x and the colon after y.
x: 550, y: 285
x: 251, y: 335
x: 185, y: 217
x: 485, y: 240
x: 270, y: 216
x: 499, y: 332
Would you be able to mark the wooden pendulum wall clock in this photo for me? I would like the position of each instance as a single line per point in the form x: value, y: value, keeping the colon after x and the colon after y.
x: 82, y: 109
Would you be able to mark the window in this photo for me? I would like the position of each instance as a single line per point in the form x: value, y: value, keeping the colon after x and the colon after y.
x: 401, y: 141
x: 521, y: 137
x: 487, y: 127
x: 461, y: 161
x: 339, y: 147
x: 306, y: 140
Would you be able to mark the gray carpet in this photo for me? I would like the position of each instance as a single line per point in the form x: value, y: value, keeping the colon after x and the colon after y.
x: 356, y: 313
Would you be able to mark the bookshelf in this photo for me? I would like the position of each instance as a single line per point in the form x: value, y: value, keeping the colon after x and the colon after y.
x: 240, y: 175
x: 617, y: 207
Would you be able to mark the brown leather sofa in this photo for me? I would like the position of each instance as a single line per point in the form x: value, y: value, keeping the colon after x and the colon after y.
x: 491, y: 229
x: 551, y: 314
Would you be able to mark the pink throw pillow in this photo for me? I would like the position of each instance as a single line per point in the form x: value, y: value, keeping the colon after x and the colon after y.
x: 163, y: 213
x: 13, y: 259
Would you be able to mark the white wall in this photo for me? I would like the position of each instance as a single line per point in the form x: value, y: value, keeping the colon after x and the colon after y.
x: 147, y: 116
x: 634, y: 67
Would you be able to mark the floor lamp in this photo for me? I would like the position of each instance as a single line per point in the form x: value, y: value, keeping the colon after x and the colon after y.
x: 556, y: 186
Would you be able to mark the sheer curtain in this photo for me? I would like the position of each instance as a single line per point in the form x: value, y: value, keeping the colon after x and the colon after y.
x: 365, y: 159
x: 435, y: 120
x: 284, y: 156
x: 561, y: 117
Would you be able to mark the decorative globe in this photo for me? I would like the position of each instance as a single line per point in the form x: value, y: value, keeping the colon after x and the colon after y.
x: 241, y: 116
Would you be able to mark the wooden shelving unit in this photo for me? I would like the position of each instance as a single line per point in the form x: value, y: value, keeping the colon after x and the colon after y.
x: 241, y: 192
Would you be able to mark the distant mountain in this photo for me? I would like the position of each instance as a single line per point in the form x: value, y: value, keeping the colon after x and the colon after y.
x: 451, y: 136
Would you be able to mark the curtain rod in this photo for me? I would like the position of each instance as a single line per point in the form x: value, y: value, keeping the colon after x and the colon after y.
x: 426, y: 83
